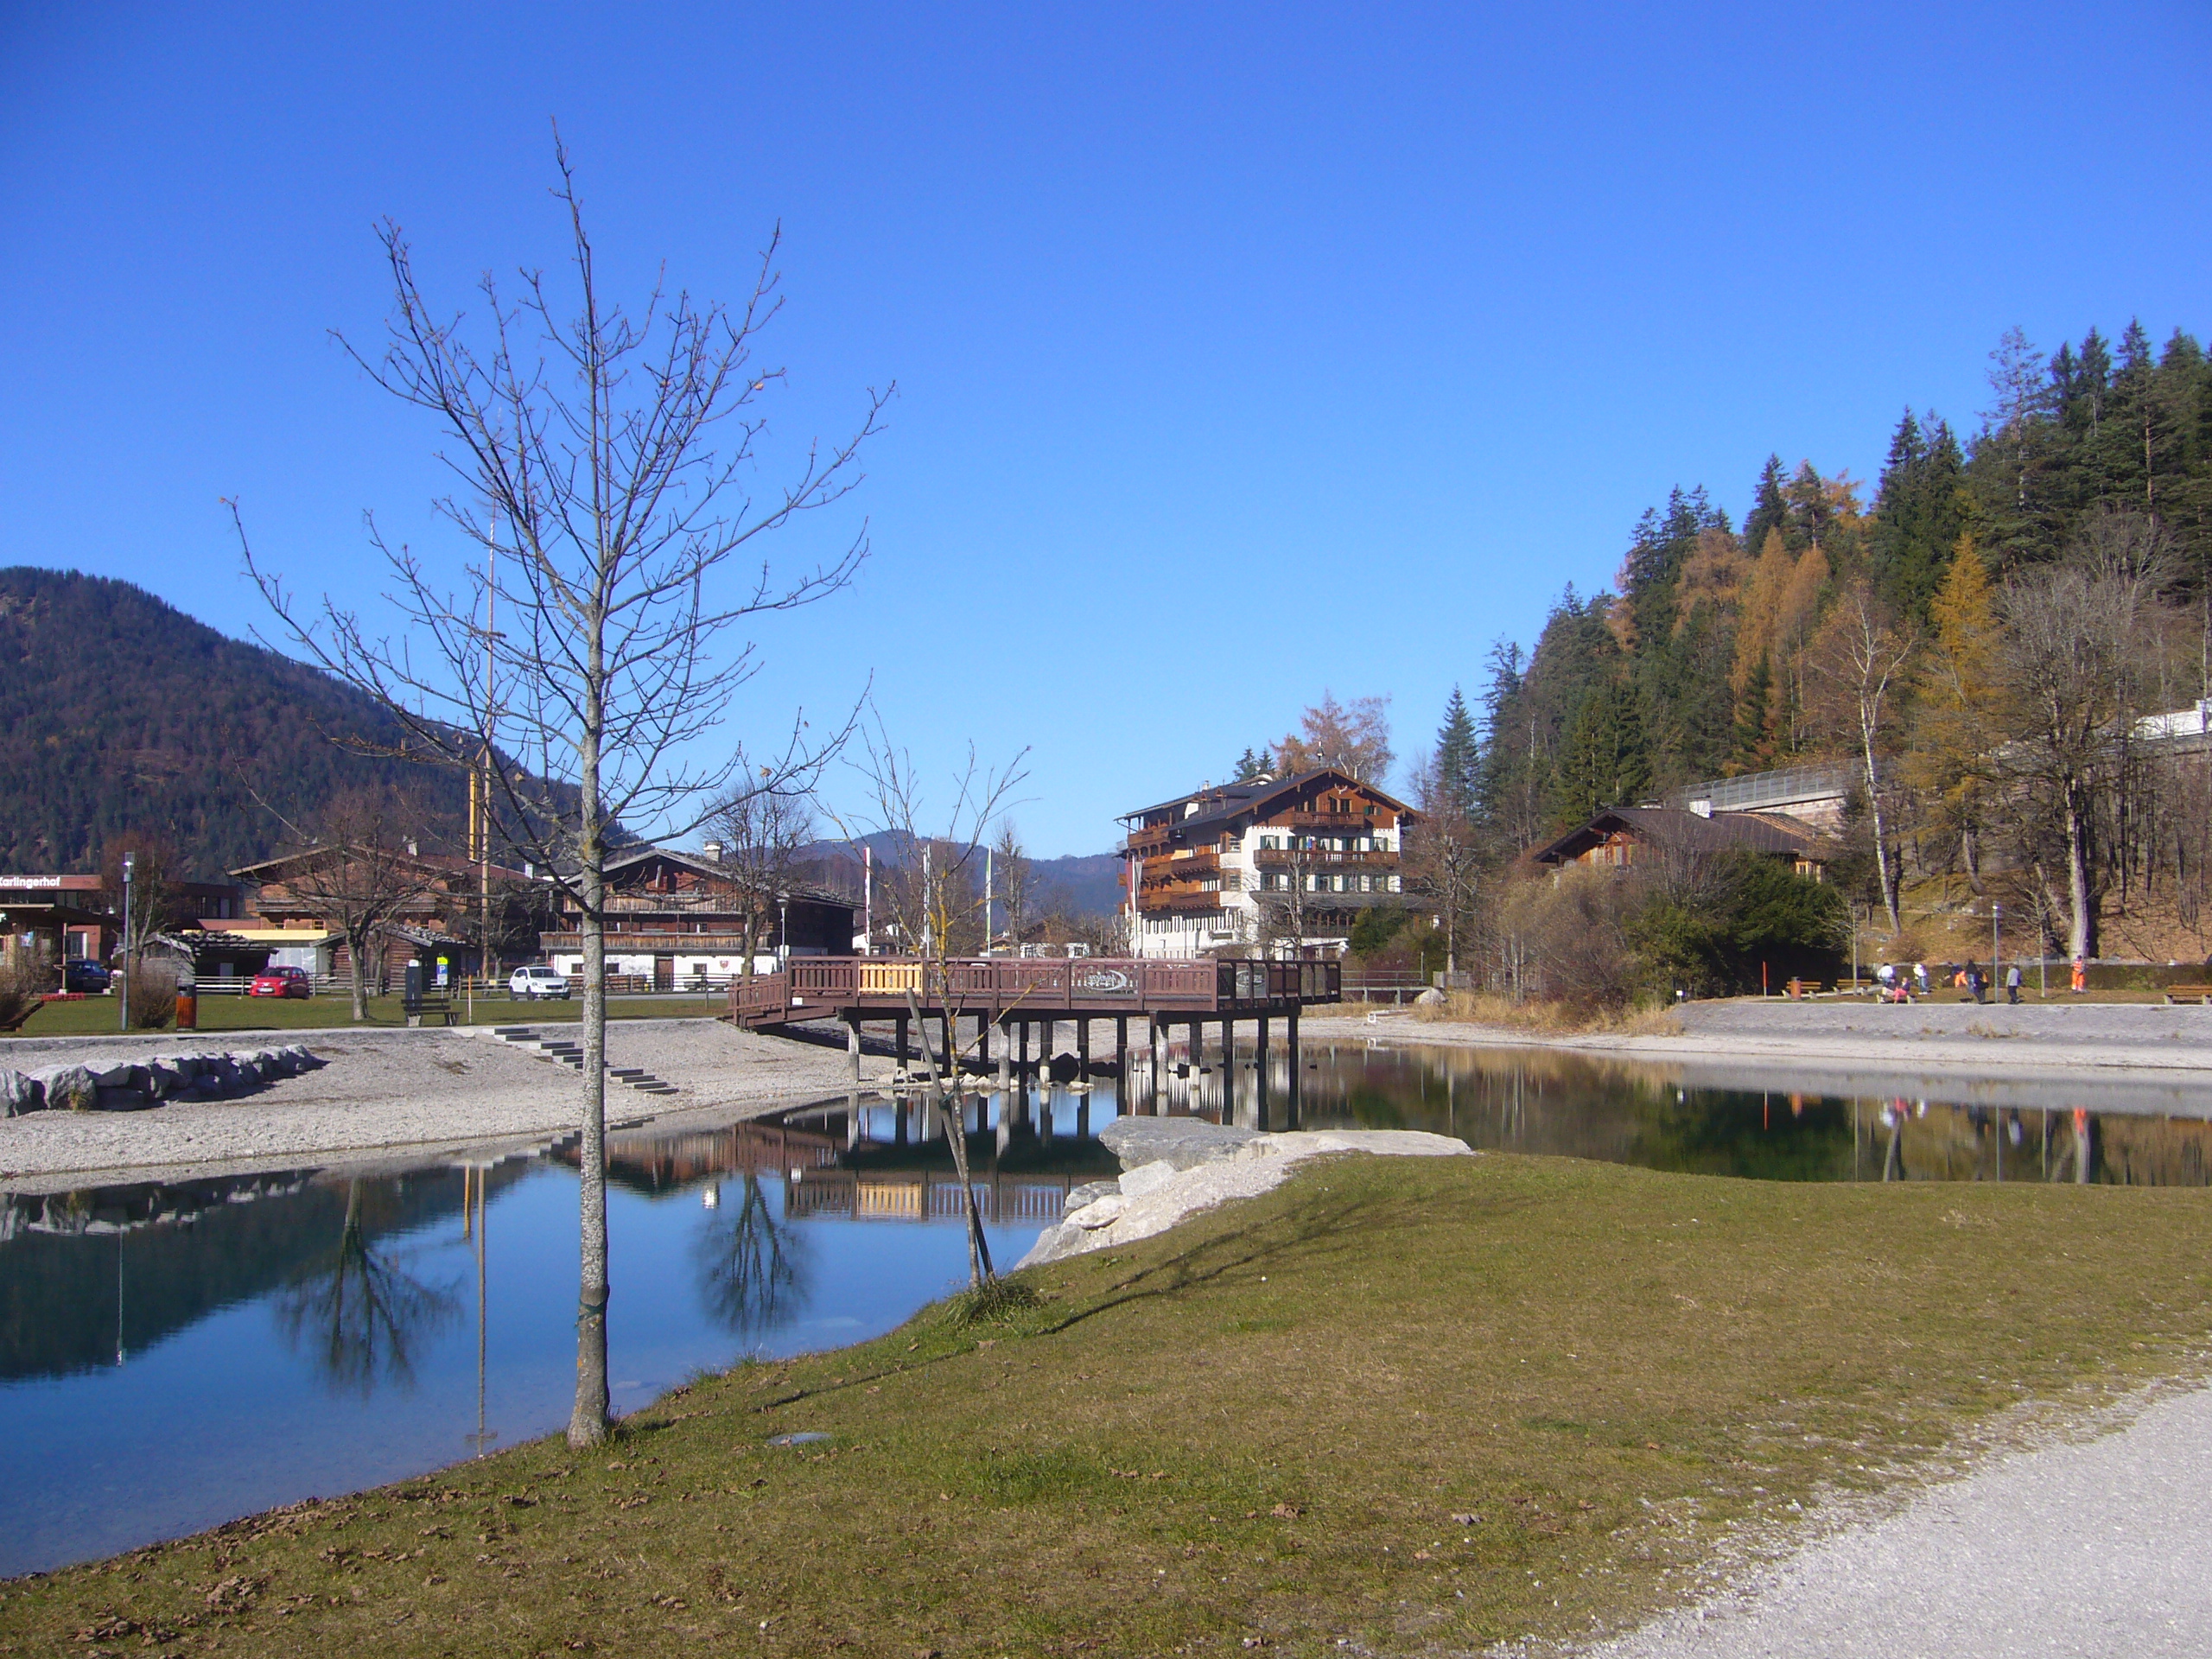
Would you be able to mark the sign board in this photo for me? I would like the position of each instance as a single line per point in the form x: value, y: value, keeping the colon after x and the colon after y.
x: 1104, y: 981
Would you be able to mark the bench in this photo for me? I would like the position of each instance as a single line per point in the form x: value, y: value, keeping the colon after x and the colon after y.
x: 431, y: 1008
x: 2176, y: 995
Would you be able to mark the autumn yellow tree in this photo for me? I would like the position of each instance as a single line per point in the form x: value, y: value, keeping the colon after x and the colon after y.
x: 1960, y: 717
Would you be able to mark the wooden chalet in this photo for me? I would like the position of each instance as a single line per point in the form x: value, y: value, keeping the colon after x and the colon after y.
x: 1216, y: 870
x: 1620, y: 837
x: 297, y: 901
x: 679, y: 918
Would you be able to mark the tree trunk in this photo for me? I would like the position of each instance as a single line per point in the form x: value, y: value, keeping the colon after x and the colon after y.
x: 587, y: 1423
x: 357, y: 954
x: 1883, y: 872
x: 1970, y: 855
x: 2081, y: 898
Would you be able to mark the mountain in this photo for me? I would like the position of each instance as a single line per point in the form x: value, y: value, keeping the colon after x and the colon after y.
x: 118, y: 712
x: 1083, y: 884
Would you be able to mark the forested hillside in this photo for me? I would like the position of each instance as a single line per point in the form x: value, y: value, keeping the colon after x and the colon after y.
x: 118, y: 714
x: 1980, y: 636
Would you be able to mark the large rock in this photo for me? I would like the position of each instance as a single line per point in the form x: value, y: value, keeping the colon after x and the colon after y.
x: 1088, y: 1192
x: 20, y: 1094
x: 69, y: 1087
x: 1182, y: 1142
x: 122, y: 1075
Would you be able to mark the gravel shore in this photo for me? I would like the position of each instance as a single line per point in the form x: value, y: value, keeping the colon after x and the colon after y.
x: 380, y: 1090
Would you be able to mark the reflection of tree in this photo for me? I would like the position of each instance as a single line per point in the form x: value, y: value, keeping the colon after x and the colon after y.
x: 361, y: 1315
x: 753, y: 1270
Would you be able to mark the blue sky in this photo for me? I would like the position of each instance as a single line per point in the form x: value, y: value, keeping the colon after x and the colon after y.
x: 1241, y: 351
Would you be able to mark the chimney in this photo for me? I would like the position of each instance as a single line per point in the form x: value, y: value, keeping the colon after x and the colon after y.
x: 713, y: 851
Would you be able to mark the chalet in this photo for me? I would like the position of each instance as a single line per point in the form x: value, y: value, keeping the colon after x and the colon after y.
x: 59, y: 916
x: 681, y: 916
x: 1291, y: 861
x: 1621, y: 837
x: 435, y: 902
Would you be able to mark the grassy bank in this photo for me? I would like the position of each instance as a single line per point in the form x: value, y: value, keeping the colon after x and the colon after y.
x: 1421, y: 1405
x: 97, y: 1016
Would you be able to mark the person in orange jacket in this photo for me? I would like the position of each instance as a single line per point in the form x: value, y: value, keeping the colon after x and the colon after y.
x: 2081, y: 975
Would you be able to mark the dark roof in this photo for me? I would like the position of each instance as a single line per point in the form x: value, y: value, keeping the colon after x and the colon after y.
x: 1232, y: 800
x: 1677, y: 830
x: 814, y: 892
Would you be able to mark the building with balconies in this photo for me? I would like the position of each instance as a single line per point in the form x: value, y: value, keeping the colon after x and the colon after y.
x: 1281, y: 865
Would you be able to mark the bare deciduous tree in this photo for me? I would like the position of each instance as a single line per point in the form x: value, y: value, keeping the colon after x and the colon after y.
x: 2072, y: 661
x: 1859, y: 659
x: 934, y: 900
x: 762, y: 833
x: 1014, y: 879
x: 602, y: 456
x: 357, y: 866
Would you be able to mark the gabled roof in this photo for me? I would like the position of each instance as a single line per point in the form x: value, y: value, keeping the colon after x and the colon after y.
x: 442, y: 863
x: 1232, y: 801
x: 701, y: 864
x: 1678, y: 830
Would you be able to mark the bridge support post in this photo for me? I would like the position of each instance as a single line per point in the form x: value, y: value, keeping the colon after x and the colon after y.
x: 1259, y: 1069
x: 1121, y: 1062
x: 1152, y: 1049
x: 983, y: 1039
x: 1024, y: 1040
x: 853, y: 1044
x: 1083, y: 1048
x: 899, y: 1046
x: 1228, y: 1069
x: 1006, y: 1060
x: 1297, y: 1064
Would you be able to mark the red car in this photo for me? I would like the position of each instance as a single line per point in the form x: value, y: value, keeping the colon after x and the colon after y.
x: 281, y: 981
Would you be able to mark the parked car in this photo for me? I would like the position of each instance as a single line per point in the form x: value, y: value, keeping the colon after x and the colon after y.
x: 281, y: 981
x: 531, y: 983
x: 82, y: 974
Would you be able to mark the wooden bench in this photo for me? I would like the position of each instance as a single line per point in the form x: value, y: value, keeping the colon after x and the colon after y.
x: 2176, y: 995
x: 435, y: 1008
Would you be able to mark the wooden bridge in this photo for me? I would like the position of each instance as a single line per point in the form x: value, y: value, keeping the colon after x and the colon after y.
x: 1015, y: 994
x: 1027, y: 987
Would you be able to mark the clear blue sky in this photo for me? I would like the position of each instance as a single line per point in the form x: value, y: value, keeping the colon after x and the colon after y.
x: 1242, y: 352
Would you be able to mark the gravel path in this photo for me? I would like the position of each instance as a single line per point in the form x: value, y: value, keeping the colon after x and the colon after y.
x: 2102, y: 1548
x: 2115, y: 1057
x: 382, y: 1090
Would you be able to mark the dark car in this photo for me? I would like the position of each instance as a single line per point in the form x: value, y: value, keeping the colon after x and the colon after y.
x: 281, y: 981
x: 82, y: 974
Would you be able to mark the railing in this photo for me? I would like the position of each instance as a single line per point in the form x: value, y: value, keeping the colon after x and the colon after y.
x: 1766, y: 788
x: 1311, y: 856
x: 811, y: 986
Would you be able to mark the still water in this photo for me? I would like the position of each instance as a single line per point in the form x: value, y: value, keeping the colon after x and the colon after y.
x: 173, y: 1356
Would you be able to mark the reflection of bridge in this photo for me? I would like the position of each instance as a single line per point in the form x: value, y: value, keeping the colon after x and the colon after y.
x: 916, y: 1195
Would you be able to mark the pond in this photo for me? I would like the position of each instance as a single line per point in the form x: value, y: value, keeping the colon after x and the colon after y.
x: 175, y: 1355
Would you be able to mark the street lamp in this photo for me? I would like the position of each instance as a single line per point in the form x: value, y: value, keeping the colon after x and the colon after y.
x: 129, y: 869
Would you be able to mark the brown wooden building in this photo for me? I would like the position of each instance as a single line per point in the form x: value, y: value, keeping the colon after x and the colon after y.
x: 1621, y: 837
x: 680, y: 917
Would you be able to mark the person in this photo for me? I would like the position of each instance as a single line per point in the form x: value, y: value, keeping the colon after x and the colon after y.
x: 1885, y: 977
x: 2012, y: 984
x: 2081, y: 977
x: 1973, y: 981
x: 1920, y: 978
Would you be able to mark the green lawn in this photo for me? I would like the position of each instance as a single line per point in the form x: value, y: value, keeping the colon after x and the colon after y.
x: 99, y: 1015
x: 1413, y: 1405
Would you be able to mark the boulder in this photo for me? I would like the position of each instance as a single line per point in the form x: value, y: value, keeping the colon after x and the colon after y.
x: 1431, y: 998
x: 1147, y: 1178
x: 1102, y: 1213
x: 20, y: 1094
x: 1064, y: 1068
x: 68, y: 1088
x: 1182, y: 1142
x: 124, y: 1075
x: 1088, y: 1192
x: 164, y: 1080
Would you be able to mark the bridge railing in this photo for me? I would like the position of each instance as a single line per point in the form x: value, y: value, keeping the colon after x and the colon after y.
x: 1010, y: 984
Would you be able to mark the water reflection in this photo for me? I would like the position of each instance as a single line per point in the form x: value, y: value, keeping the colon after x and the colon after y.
x: 753, y: 1274
x: 358, y: 1313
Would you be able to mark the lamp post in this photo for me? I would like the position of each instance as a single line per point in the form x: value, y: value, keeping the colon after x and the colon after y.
x: 1996, y: 946
x: 129, y: 869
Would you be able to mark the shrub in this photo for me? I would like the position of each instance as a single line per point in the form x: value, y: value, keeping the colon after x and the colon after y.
x: 23, y: 986
x: 153, y: 997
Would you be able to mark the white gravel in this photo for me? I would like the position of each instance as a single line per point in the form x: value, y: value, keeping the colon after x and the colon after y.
x: 382, y: 1090
x: 2100, y: 1547
x: 1153, y: 1196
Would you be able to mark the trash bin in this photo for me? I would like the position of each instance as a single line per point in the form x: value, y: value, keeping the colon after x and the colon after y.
x: 187, y: 1002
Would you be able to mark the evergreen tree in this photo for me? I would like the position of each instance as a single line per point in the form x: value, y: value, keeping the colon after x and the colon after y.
x: 1604, y: 762
x: 1459, y: 759
x: 1918, y: 516
x: 1769, y: 511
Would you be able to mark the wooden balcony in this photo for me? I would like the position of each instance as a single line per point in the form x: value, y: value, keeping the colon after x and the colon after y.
x: 1314, y: 859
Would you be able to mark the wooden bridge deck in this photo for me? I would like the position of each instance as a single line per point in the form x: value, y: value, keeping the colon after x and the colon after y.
x: 1025, y: 988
